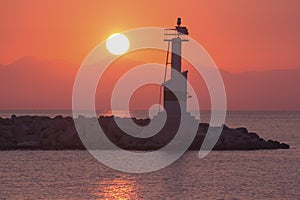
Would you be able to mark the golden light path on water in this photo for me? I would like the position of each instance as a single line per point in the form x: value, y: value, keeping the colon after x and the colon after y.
x: 118, y: 188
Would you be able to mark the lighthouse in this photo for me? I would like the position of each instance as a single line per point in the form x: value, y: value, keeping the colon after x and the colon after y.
x: 175, y: 37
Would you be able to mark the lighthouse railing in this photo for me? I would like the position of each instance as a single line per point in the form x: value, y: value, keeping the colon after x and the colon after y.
x: 171, y: 33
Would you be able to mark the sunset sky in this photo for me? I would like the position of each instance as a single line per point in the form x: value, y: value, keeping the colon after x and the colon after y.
x: 240, y: 35
x: 52, y: 38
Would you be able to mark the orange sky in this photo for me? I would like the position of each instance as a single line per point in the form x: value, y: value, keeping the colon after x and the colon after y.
x: 240, y: 35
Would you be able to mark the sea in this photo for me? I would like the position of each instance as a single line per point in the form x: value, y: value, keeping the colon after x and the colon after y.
x: 221, y: 175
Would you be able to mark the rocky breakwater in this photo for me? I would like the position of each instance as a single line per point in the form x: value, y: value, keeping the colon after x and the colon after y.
x: 38, y: 132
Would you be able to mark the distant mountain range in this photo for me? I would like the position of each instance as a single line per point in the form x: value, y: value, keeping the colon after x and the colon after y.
x: 29, y: 83
x: 263, y: 90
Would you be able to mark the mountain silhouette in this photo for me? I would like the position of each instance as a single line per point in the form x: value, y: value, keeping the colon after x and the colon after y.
x: 30, y: 83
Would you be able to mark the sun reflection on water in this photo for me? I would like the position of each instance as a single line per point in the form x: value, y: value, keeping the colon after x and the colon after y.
x: 121, y: 189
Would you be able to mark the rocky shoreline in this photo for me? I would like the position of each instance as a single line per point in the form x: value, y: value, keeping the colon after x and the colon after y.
x: 59, y: 133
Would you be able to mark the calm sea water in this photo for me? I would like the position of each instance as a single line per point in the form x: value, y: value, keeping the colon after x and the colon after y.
x: 263, y: 174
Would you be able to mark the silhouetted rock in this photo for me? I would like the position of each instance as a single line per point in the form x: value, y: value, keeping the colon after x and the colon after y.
x: 39, y: 132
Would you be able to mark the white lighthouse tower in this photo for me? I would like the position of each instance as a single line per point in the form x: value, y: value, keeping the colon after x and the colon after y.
x: 172, y: 102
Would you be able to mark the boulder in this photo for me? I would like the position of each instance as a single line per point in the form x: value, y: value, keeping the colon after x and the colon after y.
x: 60, y: 133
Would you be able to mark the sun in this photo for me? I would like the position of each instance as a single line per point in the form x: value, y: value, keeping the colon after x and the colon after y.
x: 117, y: 44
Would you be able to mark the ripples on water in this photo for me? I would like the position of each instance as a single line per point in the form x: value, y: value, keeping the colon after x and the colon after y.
x: 221, y: 175
x: 265, y: 174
